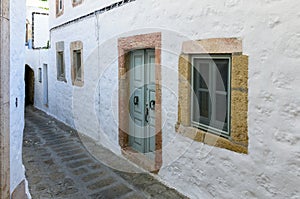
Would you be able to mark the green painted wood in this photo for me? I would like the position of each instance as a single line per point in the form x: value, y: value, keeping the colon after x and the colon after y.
x: 142, y: 92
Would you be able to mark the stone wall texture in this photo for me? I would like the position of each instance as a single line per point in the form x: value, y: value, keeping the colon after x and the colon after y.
x: 269, y: 31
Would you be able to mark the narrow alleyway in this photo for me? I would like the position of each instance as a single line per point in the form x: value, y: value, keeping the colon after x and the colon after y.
x: 58, y: 166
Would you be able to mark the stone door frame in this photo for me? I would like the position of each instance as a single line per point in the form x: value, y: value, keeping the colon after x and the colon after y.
x: 4, y: 100
x: 125, y: 45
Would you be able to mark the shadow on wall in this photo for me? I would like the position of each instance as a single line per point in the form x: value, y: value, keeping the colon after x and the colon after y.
x: 29, y: 86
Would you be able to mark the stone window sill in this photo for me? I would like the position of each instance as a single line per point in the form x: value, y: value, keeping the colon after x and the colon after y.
x: 199, y: 135
x: 62, y: 79
x: 59, y: 13
x: 78, y: 83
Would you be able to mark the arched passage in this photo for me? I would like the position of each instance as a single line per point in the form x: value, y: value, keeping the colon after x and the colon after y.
x: 29, y: 86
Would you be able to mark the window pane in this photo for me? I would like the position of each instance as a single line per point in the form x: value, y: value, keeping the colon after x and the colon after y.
x: 62, y: 64
x: 201, y: 111
x: 222, y: 74
x: 221, y: 108
x: 201, y: 74
x: 196, y: 109
x: 201, y: 88
x: 78, y: 64
x: 60, y: 61
x: 204, y: 104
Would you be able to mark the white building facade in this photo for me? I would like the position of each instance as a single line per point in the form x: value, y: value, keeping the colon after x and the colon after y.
x: 114, y: 64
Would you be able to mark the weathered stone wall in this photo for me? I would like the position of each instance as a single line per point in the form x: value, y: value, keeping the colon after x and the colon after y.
x: 270, y: 33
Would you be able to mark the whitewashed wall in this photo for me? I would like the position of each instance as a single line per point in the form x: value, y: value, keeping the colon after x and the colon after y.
x: 271, y: 37
x: 41, y: 34
x: 35, y: 59
x: 17, y: 67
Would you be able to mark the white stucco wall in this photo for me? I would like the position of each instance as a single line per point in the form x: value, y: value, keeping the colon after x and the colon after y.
x: 270, y: 33
x: 35, y: 59
x: 17, y: 68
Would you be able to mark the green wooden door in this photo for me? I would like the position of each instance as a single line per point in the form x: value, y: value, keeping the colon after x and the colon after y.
x: 142, y: 101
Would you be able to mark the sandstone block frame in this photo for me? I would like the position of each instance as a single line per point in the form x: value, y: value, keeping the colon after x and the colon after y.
x: 238, y: 139
x: 76, y: 46
x: 125, y: 46
x: 76, y: 2
x: 59, y: 12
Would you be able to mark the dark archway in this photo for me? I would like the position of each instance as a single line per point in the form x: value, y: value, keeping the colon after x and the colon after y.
x: 29, y: 86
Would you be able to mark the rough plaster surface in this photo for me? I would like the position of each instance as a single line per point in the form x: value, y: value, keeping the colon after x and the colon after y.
x: 17, y: 67
x: 270, y: 33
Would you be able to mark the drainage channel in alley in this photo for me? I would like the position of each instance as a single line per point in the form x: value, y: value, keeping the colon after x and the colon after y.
x: 59, y: 166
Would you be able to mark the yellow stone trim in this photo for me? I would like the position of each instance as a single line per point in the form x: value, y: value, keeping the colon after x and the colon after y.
x: 214, y: 45
x: 239, y: 70
x: 76, y: 3
x: 76, y: 45
x: 59, y: 12
x: 184, y: 104
x: 220, y: 142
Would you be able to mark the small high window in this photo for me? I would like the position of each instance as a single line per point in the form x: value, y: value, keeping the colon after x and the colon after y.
x: 60, y: 61
x: 59, y: 7
x: 60, y: 66
x: 40, y: 75
x: 77, y: 63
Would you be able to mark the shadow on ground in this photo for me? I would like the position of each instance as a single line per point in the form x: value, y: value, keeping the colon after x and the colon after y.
x: 59, y: 166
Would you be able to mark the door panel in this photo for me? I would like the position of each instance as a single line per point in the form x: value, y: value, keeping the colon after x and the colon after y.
x: 137, y: 92
x: 142, y: 101
x: 151, y: 97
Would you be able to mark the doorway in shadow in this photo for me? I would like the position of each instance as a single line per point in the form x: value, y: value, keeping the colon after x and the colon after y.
x: 29, y: 86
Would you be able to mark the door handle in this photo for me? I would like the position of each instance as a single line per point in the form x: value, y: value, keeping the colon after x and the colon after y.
x: 136, y: 100
x: 152, y: 105
x: 147, y: 114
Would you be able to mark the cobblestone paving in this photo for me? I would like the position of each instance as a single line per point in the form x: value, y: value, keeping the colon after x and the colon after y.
x: 58, y: 166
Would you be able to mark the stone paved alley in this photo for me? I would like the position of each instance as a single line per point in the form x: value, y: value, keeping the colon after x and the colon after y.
x: 59, y: 166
